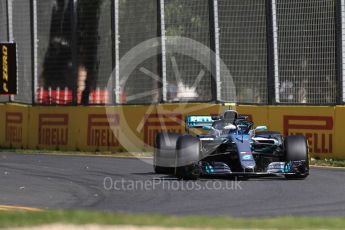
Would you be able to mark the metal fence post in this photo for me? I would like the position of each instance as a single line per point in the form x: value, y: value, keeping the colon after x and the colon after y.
x: 159, y: 56
x: 113, y: 51
x: 7, y: 21
x: 74, y: 23
x: 272, y: 53
x: 117, y: 53
x: 10, y: 29
x: 10, y: 20
x: 340, y: 50
x: 33, y: 15
x: 162, y: 67
x: 215, y: 56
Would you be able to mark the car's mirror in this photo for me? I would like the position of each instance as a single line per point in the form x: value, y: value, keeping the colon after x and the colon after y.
x: 207, y: 127
x: 261, y: 128
x: 243, y: 117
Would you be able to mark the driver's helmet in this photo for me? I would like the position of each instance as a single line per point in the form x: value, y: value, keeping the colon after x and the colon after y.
x: 230, y: 116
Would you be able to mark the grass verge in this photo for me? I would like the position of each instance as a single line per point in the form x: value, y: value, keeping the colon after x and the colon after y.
x: 20, y: 219
x: 328, y: 162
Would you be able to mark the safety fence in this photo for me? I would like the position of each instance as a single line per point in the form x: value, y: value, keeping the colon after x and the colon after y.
x: 133, y: 128
x: 276, y: 51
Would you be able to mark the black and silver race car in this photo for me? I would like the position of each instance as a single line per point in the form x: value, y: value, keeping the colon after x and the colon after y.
x: 232, y: 147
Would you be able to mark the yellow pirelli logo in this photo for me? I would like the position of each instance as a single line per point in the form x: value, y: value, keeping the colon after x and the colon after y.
x: 5, y: 68
x: 317, y: 129
x: 8, y: 72
x: 99, y: 132
x: 156, y: 123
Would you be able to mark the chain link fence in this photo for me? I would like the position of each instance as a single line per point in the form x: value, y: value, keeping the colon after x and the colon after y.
x: 243, y: 47
x: 68, y: 50
x: 54, y: 34
x: 3, y: 32
x: 187, y: 78
x: 138, y: 22
x: 94, y: 41
x: 3, y: 21
x: 20, y: 33
x: 307, y: 51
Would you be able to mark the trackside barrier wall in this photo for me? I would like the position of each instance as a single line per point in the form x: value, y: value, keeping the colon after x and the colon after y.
x: 117, y: 128
x: 133, y: 128
x: 319, y: 124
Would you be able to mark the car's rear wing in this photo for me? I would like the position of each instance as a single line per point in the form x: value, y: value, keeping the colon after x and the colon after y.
x: 198, y: 121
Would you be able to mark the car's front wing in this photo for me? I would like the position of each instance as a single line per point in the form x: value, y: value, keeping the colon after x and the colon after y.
x: 273, y: 169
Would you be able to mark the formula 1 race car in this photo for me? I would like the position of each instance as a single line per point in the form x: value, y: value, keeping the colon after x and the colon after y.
x: 232, y: 146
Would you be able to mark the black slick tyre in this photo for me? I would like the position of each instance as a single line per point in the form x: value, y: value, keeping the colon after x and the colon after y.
x: 296, y: 149
x: 164, y: 152
x: 187, y: 158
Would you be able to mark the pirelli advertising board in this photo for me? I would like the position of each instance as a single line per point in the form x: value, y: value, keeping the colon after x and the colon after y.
x: 133, y: 128
x: 8, y: 73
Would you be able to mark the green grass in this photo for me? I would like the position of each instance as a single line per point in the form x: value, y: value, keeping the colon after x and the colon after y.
x: 328, y: 162
x: 19, y: 219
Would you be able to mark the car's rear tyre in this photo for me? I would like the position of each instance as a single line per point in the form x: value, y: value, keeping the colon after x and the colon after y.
x: 296, y: 149
x: 187, y: 158
x: 164, y: 152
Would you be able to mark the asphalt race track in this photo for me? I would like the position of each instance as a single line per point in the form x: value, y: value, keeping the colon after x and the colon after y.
x: 129, y: 185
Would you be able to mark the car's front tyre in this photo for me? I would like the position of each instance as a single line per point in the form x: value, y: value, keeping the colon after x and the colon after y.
x: 296, y: 149
x: 164, y: 153
x: 187, y: 158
